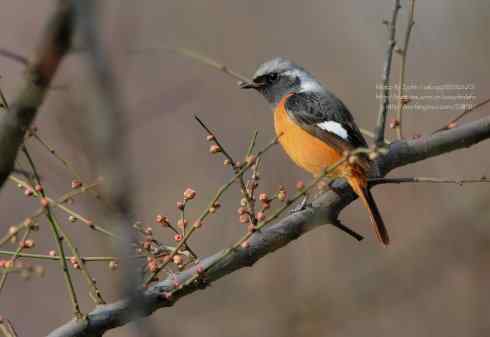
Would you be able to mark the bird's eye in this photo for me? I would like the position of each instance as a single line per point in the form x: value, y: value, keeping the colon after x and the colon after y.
x: 272, y: 77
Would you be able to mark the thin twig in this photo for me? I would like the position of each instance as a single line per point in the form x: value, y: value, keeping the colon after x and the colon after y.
x: 67, y: 210
x: 460, y: 182
x: 249, y: 188
x: 21, y: 59
x: 7, y: 328
x: 452, y: 123
x: 59, y: 237
x: 95, y: 293
x: 402, y: 102
x: 64, y: 265
x: 67, y: 164
x: 203, y: 60
x: 56, y: 257
x: 3, y: 104
x: 248, y: 197
x: 383, y: 108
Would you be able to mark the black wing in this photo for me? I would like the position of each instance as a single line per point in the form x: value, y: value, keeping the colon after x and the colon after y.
x: 310, y: 109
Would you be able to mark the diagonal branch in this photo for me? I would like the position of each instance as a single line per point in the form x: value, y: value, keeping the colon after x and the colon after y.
x: 39, y: 73
x: 325, y: 209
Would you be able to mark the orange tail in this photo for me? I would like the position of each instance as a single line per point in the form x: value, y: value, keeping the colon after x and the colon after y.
x: 359, y: 186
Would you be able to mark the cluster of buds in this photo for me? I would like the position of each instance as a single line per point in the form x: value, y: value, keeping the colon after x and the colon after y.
x: 189, y: 194
x: 26, y: 270
x: 26, y: 244
x: 6, y: 264
x: 74, y: 262
x: 214, y: 208
x: 147, y: 244
x: 154, y: 264
x: 265, y: 201
x: 243, y: 212
x: 214, y: 148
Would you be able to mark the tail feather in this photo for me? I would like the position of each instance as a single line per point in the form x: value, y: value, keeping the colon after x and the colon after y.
x: 367, y: 198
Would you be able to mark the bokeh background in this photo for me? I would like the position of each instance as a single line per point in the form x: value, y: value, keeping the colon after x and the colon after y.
x: 433, y: 279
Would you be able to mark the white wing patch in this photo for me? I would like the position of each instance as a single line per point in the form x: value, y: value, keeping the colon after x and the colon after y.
x: 334, y: 127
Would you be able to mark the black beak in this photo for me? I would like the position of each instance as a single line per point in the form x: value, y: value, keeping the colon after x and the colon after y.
x: 250, y: 85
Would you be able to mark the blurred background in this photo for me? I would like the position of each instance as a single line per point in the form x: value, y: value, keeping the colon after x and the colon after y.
x: 432, y: 280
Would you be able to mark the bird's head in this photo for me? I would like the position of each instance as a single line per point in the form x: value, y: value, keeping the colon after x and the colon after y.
x: 279, y: 77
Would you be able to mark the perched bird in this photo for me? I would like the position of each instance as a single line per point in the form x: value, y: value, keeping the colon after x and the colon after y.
x: 316, y: 128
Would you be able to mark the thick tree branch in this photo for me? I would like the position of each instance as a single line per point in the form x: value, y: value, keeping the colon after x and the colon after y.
x: 15, y: 121
x: 325, y: 209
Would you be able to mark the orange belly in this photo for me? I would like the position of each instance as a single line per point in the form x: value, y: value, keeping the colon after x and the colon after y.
x: 307, y: 151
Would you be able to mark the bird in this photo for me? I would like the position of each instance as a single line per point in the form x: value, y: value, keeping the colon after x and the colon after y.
x: 315, y: 128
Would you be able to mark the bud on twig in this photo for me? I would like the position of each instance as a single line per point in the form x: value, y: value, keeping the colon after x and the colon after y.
x: 263, y: 197
x: 260, y: 216
x: 44, y: 202
x: 281, y: 195
x: 113, y: 265
x: 76, y: 184
x: 244, y: 218
x: 162, y: 220
x: 189, y: 194
x: 214, y: 149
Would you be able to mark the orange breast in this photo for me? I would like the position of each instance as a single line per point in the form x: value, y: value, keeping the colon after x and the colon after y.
x: 307, y: 151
